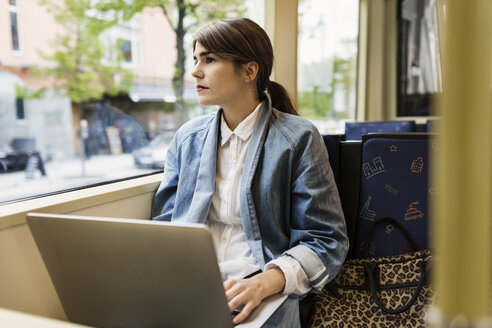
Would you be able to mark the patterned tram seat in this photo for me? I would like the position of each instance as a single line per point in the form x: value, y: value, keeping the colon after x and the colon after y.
x: 355, y: 130
x: 394, y: 183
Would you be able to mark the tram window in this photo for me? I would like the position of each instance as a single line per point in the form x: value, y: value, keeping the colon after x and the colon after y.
x: 327, y: 56
x: 419, y: 56
x: 114, y: 135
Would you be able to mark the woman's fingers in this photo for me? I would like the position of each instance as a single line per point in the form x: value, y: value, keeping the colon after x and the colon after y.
x: 242, y: 293
x: 250, y: 292
x: 245, y: 312
x: 236, y: 295
x: 229, y: 283
x: 246, y: 302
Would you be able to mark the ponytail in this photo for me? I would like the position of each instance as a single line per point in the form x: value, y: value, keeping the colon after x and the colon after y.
x: 280, y: 98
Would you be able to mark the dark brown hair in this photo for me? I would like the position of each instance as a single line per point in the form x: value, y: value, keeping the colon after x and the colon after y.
x: 244, y: 41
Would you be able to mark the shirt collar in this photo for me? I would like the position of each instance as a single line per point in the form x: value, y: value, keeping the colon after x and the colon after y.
x: 243, y: 130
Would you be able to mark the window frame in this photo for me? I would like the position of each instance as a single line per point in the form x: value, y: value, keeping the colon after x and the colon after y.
x: 134, y: 26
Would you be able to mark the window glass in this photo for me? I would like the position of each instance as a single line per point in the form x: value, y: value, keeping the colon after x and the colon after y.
x: 327, y: 55
x: 19, y: 109
x: 14, y: 31
x: 419, y: 67
x: 86, y: 105
x: 126, y: 50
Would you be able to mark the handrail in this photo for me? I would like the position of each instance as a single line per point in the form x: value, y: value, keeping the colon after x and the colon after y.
x: 463, y: 165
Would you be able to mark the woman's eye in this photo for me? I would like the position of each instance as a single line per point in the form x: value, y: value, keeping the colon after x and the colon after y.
x: 209, y: 60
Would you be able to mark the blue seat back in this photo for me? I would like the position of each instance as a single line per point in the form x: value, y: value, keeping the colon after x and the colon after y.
x: 394, y: 183
x: 332, y: 143
x: 349, y: 186
x: 355, y: 130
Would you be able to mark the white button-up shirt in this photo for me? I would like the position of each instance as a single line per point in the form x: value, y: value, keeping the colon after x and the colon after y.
x: 233, y: 253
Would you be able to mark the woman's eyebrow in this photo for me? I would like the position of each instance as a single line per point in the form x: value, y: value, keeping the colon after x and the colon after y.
x: 203, y: 53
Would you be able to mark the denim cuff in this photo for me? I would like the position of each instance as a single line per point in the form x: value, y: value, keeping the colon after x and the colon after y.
x: 296, y: 281
x: 312, y: 265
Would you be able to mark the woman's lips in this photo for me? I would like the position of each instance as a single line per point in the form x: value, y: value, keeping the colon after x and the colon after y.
x: 200, y: 88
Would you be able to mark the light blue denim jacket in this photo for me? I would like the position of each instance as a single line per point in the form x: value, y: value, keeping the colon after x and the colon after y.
x: 289, y: 202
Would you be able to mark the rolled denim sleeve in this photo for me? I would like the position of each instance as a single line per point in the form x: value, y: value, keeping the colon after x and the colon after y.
x: 163, y: 204
x: 318, y: 231
x: 296, y: 281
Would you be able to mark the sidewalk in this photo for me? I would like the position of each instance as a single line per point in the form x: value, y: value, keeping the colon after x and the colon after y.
x: 67, y: 174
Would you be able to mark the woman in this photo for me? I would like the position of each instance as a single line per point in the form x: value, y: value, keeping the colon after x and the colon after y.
x: 257, y: 174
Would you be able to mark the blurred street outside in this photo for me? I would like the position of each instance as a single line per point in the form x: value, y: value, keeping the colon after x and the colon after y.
x: 63, y: 175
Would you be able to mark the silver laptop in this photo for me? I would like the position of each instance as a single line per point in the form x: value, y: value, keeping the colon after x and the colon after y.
x: 135, y: 273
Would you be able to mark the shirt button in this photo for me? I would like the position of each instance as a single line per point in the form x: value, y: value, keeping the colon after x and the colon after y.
x: 224, y: 240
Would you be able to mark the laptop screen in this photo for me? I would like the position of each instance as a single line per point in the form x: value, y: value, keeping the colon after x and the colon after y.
x: 132, y: 273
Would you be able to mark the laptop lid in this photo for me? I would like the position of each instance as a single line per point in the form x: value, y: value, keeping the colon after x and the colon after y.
x: 132, y: 273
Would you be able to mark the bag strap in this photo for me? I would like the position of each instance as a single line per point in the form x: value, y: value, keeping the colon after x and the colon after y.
x: 370, y: 267
x: 400, y: 226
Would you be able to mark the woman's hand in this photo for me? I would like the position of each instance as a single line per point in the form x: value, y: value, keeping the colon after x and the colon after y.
x: 250, y: 292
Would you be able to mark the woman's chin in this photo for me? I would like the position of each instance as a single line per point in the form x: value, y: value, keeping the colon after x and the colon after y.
x: 204, y: 102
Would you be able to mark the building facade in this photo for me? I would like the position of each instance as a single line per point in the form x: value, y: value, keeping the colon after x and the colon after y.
x: 27, y: 30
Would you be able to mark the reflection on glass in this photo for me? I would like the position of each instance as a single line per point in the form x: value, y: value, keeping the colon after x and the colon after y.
x: 327, y: 52
x: 419, y: 58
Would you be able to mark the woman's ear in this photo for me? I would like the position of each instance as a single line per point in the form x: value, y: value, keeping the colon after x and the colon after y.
x: 250, y: 71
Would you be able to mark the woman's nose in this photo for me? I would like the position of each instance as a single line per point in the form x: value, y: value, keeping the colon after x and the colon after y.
x: 197, y: 73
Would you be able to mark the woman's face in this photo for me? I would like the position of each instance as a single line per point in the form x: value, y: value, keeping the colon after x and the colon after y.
x: 218, y: 80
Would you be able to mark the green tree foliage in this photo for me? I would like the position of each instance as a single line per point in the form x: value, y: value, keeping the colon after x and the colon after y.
x: 316, y: 103
x: 184, y: 16
x: 24, y: 92
x: 326, y: 78
x: 344, y: 76
x: 81, y: 67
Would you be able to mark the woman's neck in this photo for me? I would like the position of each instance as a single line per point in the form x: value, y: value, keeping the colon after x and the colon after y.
x: 234, y: 115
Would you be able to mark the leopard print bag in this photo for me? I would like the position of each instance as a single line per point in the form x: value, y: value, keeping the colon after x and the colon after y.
x: 377, y: 292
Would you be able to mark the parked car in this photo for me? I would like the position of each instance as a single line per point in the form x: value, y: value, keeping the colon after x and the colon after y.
x: 20, y: 155
x: 153, y: 155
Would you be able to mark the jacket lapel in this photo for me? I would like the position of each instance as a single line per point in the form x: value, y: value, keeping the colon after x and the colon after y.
x: 247, y: 207
x: 205, y: 184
